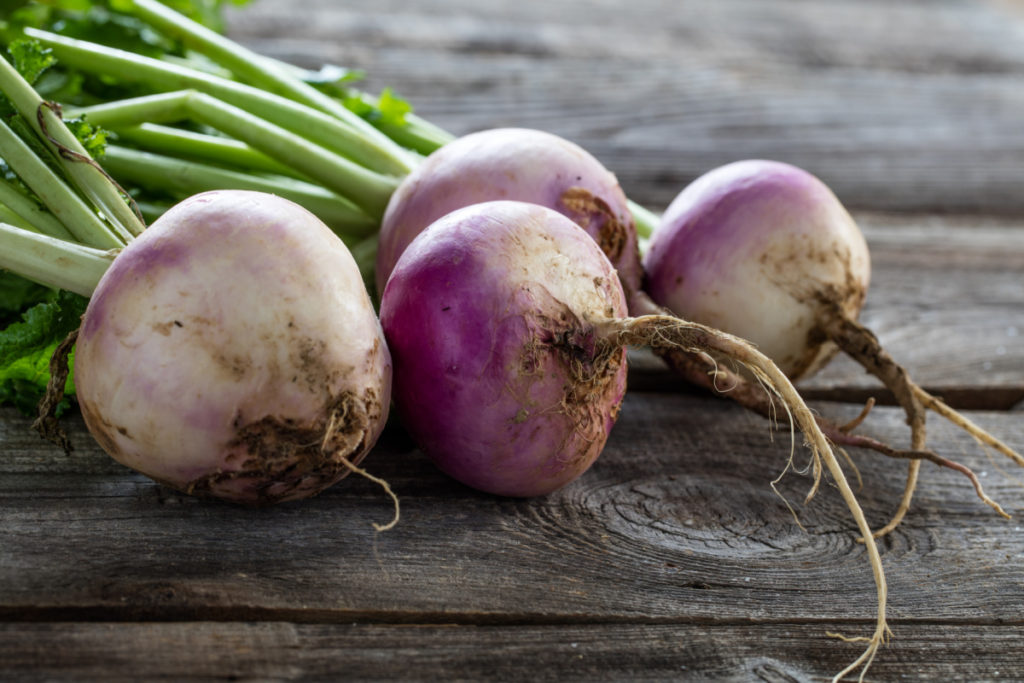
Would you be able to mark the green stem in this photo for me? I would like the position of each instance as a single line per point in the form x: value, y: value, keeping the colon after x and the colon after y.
x: 645, y: 219
x: 323, y: 129
x: 249, y: 66
x: 200, y: 146
x: 88, y: 178
x: 52, y: 262
x: 184, y: 178
x: 31, y: 213
x: 64, y: 203
x: 414, y: 133
x: 367, y: 189
x: 11, y: 218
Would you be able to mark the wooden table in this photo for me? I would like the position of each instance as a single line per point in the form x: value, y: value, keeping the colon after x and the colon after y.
x: 672, y: 558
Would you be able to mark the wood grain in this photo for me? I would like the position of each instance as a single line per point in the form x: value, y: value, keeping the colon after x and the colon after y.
x: 676, y: 521
x: 282, y: 651
x: 672, y: 551
x: 910, y: 106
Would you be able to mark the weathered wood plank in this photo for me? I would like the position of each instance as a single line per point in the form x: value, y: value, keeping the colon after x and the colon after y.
x: 676, y: 521
x: 903, y: 106
x: 774, y: 653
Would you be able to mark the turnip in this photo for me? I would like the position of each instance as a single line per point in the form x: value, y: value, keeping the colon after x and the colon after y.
x: 230, y: 349
x: 505, y: 321
x: 515, y: 164
x: 766, y: 251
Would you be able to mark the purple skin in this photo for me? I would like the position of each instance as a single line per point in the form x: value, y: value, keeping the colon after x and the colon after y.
x: 750, y: 248
x: 515, y: 164
x: 501, y: 376
x: 220, y: 344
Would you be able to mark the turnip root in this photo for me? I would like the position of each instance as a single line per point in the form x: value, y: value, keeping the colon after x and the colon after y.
x: 514, y: 164
x: 231, y: 350
x: 505, y: 324
x: 501, y: 375
x: 766, y: 251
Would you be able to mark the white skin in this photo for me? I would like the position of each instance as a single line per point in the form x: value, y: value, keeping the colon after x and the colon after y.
x: 234, y: 307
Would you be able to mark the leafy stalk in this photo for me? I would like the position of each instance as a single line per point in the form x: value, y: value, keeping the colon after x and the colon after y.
x: 182, y: 177
x: 367, y: 189
x: 323, y: 129
x: 404, y: 126
x: 189, y: 144
x: 88, y: 178
x: 25, y: 210
x: 249, y: 66
x: 51, y: 261
x: 63, y: 202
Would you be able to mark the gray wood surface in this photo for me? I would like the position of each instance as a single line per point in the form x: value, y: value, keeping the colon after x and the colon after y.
x: 672, y: 558
x: 908, y: 106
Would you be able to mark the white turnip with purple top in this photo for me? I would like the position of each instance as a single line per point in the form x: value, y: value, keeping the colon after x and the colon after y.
x: 231, y: 350
x: 766, y: 251
x: 752, y: 248
x: 517, y: 164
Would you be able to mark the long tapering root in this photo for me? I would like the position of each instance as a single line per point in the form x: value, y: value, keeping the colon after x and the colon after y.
x: 384, y: 485
x: 703, y: 372
x: 668, y: 332
x: 860, y: 344
x: 329, y: 445
x: 925, y: 454
x: 863, y: 346
x: 939, y: 407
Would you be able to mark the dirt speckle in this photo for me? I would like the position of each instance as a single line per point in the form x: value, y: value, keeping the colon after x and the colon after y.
x: 283, y: 459
x: 589, y: 212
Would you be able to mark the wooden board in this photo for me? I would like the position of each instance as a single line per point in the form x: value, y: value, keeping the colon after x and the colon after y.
x: 909, y: 106
x: 281, y: 651
x: 672, y: 558
x: 675, y: 528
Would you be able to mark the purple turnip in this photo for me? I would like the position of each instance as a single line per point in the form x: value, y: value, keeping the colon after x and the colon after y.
x: 515, y: 164
x: 505, y: 321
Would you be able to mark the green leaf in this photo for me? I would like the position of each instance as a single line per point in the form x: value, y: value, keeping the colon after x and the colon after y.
x: 359, y: 106
x: 18, y: 294
x: 26, y: 347
x: 390, y: 107
x: 94, y: 139
x: 393, y: 108
x: 30, y: 58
